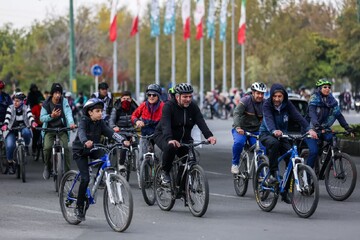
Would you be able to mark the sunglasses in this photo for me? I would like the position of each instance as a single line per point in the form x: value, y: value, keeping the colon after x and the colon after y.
x: 329, y: 87
x: 152, y: 95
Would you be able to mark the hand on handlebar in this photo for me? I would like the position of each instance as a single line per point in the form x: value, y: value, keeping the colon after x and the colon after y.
x: 313, y: 134
x: 4, y: 128
x: 34, y: 124
x: 278, y: 133
x: 72, y: 126
x: 175, y: 143
x: 212, y: 140
x: 139, y: 124
x: 126, y: 143
x: 116, y: 129
x: 89, y: 144
x: 240, y: 131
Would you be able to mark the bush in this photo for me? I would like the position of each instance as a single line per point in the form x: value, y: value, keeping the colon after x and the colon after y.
x: 356, y: 128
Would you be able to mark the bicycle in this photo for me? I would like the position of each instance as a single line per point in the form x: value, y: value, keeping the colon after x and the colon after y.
x: 304, y: 186
x: 3, y: 161
x: 117, y: 193
x: 337, y: 168
x: 188, y: 181
x: 248, y: 167
x: 57, y: 157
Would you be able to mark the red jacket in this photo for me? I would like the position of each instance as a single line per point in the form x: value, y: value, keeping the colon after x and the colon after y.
x: 150, y: 115
x: 35, y: 110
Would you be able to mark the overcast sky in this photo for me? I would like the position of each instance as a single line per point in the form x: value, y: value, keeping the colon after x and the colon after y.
x: 22, y: 13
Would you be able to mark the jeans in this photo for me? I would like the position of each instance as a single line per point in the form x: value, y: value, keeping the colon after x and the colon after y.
x: 239, y: 143
x: 313, y: 145
x: 48, y: 143
x: 11, y: 141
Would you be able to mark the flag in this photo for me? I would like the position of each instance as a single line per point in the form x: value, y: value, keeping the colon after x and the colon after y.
x: 198, y: 18
x: 135, y: 23
x: 112, y: 30
x: 223, y: 17
x: 242, y: 24
x: 210, y: 25
x: 154, y: 19
x: 185, y: 12
x: 169, y: 24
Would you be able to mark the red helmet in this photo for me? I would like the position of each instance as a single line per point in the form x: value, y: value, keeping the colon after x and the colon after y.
x: 2, y: 85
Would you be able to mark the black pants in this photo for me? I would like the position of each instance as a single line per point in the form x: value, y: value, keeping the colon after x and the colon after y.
x: 275, y: 148
x: 169, y: 152
x: 35, y: 139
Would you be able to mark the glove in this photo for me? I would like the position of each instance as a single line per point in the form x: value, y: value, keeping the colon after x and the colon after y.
x: 4, y: 128
x: 349, y: 130
x: 34, y: 124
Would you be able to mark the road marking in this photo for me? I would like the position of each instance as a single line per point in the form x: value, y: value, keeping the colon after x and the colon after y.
x: 223, y: 195
x: 216, y: 173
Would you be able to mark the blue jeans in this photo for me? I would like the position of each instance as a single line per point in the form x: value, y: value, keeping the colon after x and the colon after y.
x: 239, y: 143
x: 11, y: 142
x: 313, y: 145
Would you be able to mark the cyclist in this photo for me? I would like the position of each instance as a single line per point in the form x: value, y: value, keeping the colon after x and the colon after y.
x: 178, y: 118
x: 5, y: 102
x: 56, y: 113
x: 80, y: 101
x: 247, y: 117
x: 91, y: 127
x: 277, y: 110
x: 147, y: 116
x: 104, y: 95
x: 323, y: 111
x: 17, y: 114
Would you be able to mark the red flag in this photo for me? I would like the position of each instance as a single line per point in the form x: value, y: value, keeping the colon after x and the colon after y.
x: 199, y: 31
x: 185, y: 12
x: 242, y: 24
x: 198, y: 17
x: 113, y: 17
x: 135, y: 26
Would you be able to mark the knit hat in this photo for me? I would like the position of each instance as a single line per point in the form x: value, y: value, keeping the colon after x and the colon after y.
x: 56, y: 87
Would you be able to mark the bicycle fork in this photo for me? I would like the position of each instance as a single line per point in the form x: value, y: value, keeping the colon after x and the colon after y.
x: 296, y: 161
x: 110, y: 190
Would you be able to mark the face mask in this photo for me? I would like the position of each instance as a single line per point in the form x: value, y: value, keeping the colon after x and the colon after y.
x: 125, y: 105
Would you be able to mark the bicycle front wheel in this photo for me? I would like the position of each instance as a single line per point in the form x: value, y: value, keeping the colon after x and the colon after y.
x: 118, y: 210
x: 266, y: 196
x: 241, y: 180
x: 197, y: 191
x: 21, y: 163
x: 305, y: 201
x: 163, y: 192
x: 67, y: 196
x: 147, y: 175
x: 59, y: 170
x: 340, y: 177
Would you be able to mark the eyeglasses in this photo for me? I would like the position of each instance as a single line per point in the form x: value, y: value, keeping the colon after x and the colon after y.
x: 152, y: 95
x: 329, y: 87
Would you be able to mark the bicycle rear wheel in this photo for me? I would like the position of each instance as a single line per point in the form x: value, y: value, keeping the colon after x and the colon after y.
x: 266, y: 196
x: 163, y: 192
x: 147, y: 175
x: 67, y: 196
x: 119, y: 213
x: 340, y: 180
x: 305, y: 201
x: 197, y: 191
x: 241, y: 180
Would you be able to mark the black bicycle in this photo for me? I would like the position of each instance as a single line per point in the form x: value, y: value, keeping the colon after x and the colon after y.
x: 19, y: 154
x: 3, y: 161
x: 188, y: 181
x: 337, y: 168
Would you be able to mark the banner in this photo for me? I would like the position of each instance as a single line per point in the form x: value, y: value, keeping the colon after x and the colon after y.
x: 154, y: 19
x: 223, y: 18
x: 185, y: 13
x: 198, y: 18
x: 170, y: 25
x: 242, y: 24
x: 210, y: 24
x: 113, y: 17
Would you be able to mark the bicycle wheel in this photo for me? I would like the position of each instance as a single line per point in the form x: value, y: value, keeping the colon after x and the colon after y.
x: 266, y: 196
x: 67, y: 196
x: 21, y: 163
x: 305, y: 201
x: 59, y: 170
x: 147, y: 174
x: 260, y: 160
x: 119, y: 212
x: 163, y: 192
x: 197, y: 191
x: 241, y: 180
x: 340, y: 180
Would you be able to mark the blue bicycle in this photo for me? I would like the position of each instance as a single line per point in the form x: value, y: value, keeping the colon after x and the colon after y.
x: 304, y: 186
x: 118, y: 201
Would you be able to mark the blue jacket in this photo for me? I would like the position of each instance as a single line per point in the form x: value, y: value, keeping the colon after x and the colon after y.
x: 324, y: 111
x: 274, y: 119
x: 5, y: 102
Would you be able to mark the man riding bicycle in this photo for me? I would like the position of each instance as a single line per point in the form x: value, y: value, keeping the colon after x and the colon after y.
x: 5, y: 102
x: 248, y: 115
x: 178, y: 118
x: 106, y: 97
x: 56, y: 113
x: 323, y: 111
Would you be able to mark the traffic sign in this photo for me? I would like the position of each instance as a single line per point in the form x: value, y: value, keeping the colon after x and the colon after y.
x: 96, y: 70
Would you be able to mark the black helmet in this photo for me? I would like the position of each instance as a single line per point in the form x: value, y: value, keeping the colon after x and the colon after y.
x: 154, y: 88
x: 103, y: 85
x: 91, y: 103
x: 183, y: 88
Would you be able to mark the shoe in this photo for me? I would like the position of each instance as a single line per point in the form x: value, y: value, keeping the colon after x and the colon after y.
x: 80, y: 213
x: 46, y: 173
x: 286, y: 197
x: 121, y: 168
x: 272, y: 180
x: 165, y: 177
x: 12, y: 168
x: 235, y: 169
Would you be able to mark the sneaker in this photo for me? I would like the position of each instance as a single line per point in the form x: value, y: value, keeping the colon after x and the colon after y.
x: 235, y: 169
x: 165, y: 177
x: 79, y: 213
x: 286, y: 197
x: 46, y: 173
x: 11, y: 168
x: 272, y: 180
x: 121, y: 168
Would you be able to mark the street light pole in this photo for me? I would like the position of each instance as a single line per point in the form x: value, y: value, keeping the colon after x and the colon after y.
x: 72, y: 80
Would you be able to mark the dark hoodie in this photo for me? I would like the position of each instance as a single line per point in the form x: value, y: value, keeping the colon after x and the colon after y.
x: 274, y: 119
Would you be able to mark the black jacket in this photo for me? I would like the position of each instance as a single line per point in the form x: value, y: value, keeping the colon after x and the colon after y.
x: 121, y: 118
x: 176, y: 123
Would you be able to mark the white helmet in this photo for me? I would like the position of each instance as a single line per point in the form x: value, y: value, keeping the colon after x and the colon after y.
x: 68, y: 94
x: 260, y: 87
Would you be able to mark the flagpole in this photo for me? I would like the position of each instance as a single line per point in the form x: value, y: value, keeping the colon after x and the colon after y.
x: 157, y: 77
x: 212, y: 64
x: 173, y: 65
x: 188, y: 61
x: 224, y: 66
x: 201, y: 92
x: 115, y: 84
x: 243, y: 67
x: 232, y: 45
x: 137, y: 92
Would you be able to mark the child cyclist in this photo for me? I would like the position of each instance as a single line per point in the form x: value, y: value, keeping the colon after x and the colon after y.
x: 91, y: 127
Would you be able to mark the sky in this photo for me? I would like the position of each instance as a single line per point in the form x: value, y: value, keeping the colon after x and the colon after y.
x: 22, y: 13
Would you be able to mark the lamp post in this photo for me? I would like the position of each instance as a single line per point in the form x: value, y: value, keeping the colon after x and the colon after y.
x: 72, y: 79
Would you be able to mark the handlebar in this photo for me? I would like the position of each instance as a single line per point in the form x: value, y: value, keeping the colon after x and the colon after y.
x: 18, y: 127
x: 107, y: 148
x: 292, y: 137
x: 192, y: 145
x: 249, y: 134
x: 56, y: 130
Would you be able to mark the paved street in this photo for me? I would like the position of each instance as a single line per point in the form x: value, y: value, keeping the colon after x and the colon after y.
x: 31, y: 210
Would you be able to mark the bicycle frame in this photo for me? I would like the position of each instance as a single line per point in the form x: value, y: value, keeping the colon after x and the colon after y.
x: 257, y: 152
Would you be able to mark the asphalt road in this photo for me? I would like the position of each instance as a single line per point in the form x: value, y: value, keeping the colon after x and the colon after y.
x: 31, y: 210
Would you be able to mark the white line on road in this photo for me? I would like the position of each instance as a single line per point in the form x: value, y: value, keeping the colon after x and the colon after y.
x: 216, y: 173
x: 223, y: 195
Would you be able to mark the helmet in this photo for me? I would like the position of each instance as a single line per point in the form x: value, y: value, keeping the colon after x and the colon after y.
x: 19, y: 95
x: 68, y: 94
x: 103, y: 85
x: 260, y: 87
x: 154, y: 88
x: 171, y: 90
x: 91, y: 103
x: 2, y: 85
x: 183, y: 88
x: 323, y: 81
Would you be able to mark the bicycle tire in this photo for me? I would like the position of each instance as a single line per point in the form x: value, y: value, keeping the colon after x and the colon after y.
x: 261, y: 159
x: 21, y: 163
x: 305, y: 202
x: 60, y: 169
x: 266, y: 198
x: 68, y: 206
x: 197, y: 188
x: 16, y: 160
x: 123, y: 203
x: 163, y: 192
x: 241, y: 180
x: 147, y: 175
x: 338, y: 187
